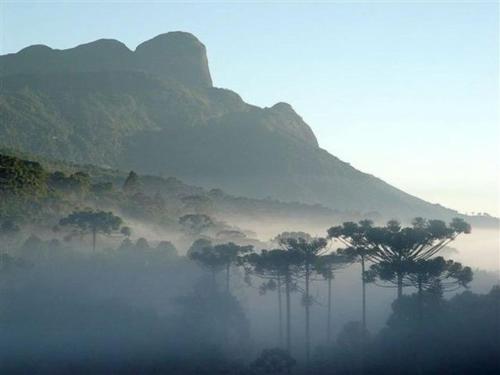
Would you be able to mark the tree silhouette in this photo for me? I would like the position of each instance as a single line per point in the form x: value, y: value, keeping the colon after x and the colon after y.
x: 326, y: 266
x: 132, y: 184
x: 396, y: 248
x: 436, y: 274
x: 198, y: 246
x: 231, y: 255
x: 353, y: 235
x: 447, y: 274
x: 93, y: 222
x: 307, y: 250
x: 167, y: 249
x: 205, y: 255
x: 431, y: 277
x: 219, y: 257
x: 270, y: 265
x: 195, y: 224
x: 126, y: 231
x: 284, y: 265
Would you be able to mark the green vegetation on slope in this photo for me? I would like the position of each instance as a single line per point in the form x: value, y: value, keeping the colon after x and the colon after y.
x: 155, y: 111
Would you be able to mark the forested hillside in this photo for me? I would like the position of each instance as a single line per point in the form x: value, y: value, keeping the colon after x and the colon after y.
x: 36, y: 194
x: 155, y: 110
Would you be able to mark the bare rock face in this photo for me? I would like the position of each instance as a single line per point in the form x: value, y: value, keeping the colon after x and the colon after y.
x: 175, y: 56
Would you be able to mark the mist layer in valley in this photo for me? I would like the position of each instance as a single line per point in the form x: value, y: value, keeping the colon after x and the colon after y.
x: 175, y: 280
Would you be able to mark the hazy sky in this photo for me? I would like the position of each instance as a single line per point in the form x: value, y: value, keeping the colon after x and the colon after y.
x: 407, y: 91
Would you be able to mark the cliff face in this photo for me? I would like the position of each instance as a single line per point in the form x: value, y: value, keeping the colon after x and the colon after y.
x: 177, y: 56
x: 174, y: 56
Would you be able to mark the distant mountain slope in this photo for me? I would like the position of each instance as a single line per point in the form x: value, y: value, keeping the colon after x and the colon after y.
x: 36, y: 189
x: 155, y: 110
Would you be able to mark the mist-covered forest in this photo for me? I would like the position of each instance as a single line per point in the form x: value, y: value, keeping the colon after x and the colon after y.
x: 110, y: 272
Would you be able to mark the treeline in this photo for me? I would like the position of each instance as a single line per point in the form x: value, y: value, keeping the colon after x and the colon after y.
x: 33, y: 196
x: 33, y: 191
x: 100, y: 297
x: 397, y: 256
x: 203, y: 328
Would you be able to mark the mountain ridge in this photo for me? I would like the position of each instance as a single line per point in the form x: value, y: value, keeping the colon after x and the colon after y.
x: 168, y: 119
x: 181, y: 56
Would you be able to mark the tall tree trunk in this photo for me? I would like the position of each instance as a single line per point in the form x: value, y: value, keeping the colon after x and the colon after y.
x: 363, y: 292
x: 228, y: 268
x: 400, y: 285
x: 94, y: 235
x: 308, y: 331
x: 420, y: 304
x: 363, y: 344
x: 420, y: 333
x: 288, y: 312
x: 280, y: 313
x: 329, y: 317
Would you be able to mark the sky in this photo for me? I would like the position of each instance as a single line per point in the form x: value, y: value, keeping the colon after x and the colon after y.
x: 407, y: 91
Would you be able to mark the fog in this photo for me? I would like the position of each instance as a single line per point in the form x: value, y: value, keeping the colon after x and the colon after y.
x: 137, y: 305
x: 479, y: 249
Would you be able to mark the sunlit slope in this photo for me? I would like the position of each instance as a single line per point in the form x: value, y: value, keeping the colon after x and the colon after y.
x: 155, y: 110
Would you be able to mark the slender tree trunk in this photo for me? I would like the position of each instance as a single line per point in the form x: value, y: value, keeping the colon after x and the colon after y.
x: 420, y: 333
x: 288, y: 312
x: 228, y: 269
x: 363, y: 324
x: 329, y: 317
x: 363, y: 292
x: 280, y: 313
x: 400, y: 285
x: 308, y: 331
x: 420, y: 305
x: 94, y: 235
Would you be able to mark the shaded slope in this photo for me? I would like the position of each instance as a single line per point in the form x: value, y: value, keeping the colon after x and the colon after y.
x: 154, y: 110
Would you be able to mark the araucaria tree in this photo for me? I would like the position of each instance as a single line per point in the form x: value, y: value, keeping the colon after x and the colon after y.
x: 307, y: 250
x: 194, y: 224
x: 231, y: 255
x: 220, y: 257
x: 437, y: 275
x: 326, y: 266
x: 132, y: 184
x: 395, y: 247
x: 282, y: 265
x: 93, y: 222
x: 268, y: 266
x: 353, y: 236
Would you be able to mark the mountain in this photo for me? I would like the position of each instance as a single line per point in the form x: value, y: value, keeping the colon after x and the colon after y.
x: 155, y: 110
x: 178, y: 56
